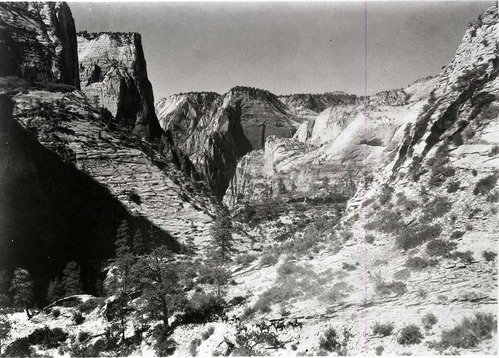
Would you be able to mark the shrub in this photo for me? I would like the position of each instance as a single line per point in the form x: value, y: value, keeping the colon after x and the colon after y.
x: 78, y: 318
x: 466, y: 257
x: 383, y: 329
x: 56, y: 312
x: 429, y: 320
x: 207, y: 334
x: 47, y: 338
x: 436, y: 208
x: 413, y: 236
x: 294, y: 347
x: 263, y: 304
x: 330, y: 341
x: 485, y: 185
x: 348, y: 267
x: 489, y: 255
x: 89, y: 305
x: 410, y: 334
x: 248, y: 313
x: 386, y: 221
x: 379, y: 350
x: 370, y: 238
x: 21, y: 347
x: 268, y: 260
x: 165, y: 346
x: 202, y: 308
x: 440, y: 247
x: 245, y: 259
x: 384, y: 288
x: 418, y: 263
x: 453, y: 187
x: 403, y: 274
x: 193, y: 346
x: 457, y: 234
x: 83, y: 336
x: 470, y: 332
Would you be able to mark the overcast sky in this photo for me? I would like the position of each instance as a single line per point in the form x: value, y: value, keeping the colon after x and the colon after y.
x: 287, y: 47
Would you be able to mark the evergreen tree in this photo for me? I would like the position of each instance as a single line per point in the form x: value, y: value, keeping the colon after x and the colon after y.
x: 71, y: 281
x: 221, y: 246
x: 124, y: 257
x: 158, y: 274
x: 4, y: 330
x: 4, y: 289
x: 54, y: 291
x: 22, y: 288
x: 138, y: 243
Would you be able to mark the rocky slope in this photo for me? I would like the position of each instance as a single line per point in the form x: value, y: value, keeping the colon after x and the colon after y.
x: 113, y: 75
x: 216, y: 131
x: 38, y: 42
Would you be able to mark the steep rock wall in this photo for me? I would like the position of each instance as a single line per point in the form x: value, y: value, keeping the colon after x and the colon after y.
x: 113, y: 75
x: 38, y: 42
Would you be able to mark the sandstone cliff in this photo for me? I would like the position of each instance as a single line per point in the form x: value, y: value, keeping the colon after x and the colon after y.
x: 38, y: 42
x: 312, y: 104
x: 113, y: 75
x: 216, y: 131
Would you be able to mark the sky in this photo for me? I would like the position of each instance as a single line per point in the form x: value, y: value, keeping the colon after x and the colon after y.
x: 287, y: 47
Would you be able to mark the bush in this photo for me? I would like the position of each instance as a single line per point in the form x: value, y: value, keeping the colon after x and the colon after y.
x: 370, y: 238
x: 457, y: 234
x: 470, y: 332
x: 89, y: 305
x: 413, y: 236
x: 436, y: 208
x: 410, y: 334
x: 83, y: 336
x: 207, y: 334
x: 165, y: 346
x: 21, y: 347
x: 403, y: 274
x: 330, y: 341
x: 489, y: 255
x: 453, y: 187
x: 384, y: 288
x: 245, y: 259
x: 47, y: 338
x: 387, y: 221
x: 193, y: 346
x: 485, y: 185
x: 429, y: 320
x: 348, y: 267
x: 418, y: 263
x: 379, y: 350
x: 78, y: 318
x: 383, y: 329
x: 202, y: 308
x: 268, y: 260
x: 56, y: 312
x: 466, y: 257
x: 440, y: 248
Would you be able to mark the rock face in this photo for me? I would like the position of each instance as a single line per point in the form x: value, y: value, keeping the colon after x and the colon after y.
x: 329, y: 151
x: 113, y: 75
x: 312, y: 104
x: 216, y: 131
x: 38, y: 43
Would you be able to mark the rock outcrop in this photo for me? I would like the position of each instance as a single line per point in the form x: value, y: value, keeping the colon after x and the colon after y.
x: 336, y: 145
x: 216, y: 131
x: 312, y: 104
x: 38, y: 42
x: 113, y: 75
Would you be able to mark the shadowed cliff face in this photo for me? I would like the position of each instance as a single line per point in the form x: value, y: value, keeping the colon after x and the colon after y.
x: 113, y: 75
x: 51, y: 212
x: 38, y: 42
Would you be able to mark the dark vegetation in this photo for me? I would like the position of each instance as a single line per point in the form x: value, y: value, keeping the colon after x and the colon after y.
x: 410, y: 334
x: 383, y: 329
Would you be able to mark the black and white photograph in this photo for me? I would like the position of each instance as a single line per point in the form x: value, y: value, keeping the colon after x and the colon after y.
x: 249, y: 178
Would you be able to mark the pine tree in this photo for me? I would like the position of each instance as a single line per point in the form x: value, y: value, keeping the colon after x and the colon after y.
x: 138, y: 243
x: 124, y: 257
x: 221, y: 246
x: 4, y: 330
x: 159, y: 278
x: 4, y: 288
x: 71, y: 281
x: 22, y: 288
x: 54, y: 291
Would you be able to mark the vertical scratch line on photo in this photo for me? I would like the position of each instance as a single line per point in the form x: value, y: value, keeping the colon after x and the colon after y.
x: 366, y: 103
